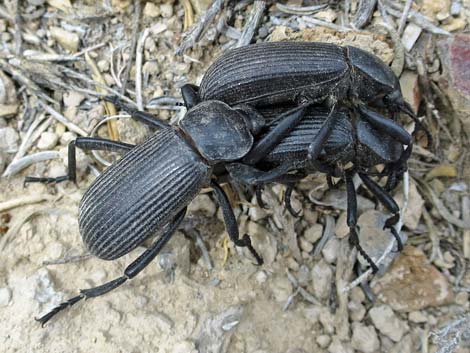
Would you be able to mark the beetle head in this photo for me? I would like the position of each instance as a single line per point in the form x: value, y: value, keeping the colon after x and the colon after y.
x: 395, y: 102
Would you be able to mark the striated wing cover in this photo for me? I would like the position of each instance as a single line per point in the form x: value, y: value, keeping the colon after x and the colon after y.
x: 275, y: 72
x: 140, y: 194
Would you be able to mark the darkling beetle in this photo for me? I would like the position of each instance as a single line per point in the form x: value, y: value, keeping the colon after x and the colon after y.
x: 150, y: 187
x: 352, y: 140
x: 266, y: 74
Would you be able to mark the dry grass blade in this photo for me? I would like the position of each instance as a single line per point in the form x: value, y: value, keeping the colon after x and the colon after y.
x: 300, y: 10
x: 23, y: 201
x: 62, y: 119
x: 188, y: 15
x: 135, y: 33
x: 24, y: 162
x: 109, y: 107
x: 252, y: 23
x: 364, y: 13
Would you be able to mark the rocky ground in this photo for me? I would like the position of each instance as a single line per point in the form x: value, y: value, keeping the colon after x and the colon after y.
x: 58, y: 57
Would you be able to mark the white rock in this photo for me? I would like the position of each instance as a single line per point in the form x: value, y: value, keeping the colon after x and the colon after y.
x: 151, y: 10
x: 73, y: 99
x: 261, y: 277
x: 5, y: 296
x: 417, y: 317
x: 357, y: 311
x: 322, y: 274
x: 67, y: 137
x: 385, y: 320
x: 166, y: 10
x: 337, y: 346
x: 365, y: 339
x: 47, y: 141
x: 184, y: 347
x: 323, y: 340
x: 202, y: 203
x: 410, y: 35
x: 313, y: 233
x: 66, y: 39
x: 330, y: 250
x: 8, y: 139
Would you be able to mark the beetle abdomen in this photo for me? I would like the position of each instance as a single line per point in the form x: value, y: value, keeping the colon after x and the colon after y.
x: 269, y: 73
x: 339, y: 144
x: 139, y: 194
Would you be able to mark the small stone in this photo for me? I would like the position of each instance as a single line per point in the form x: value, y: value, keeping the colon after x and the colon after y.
x: 73, y: 99
x: 410, y: 89
x: 462, y: 299
x: 326, y: 15
x: 263, y: 32
x: 166, y: 10
x: 331, y: 250
x: 261, y: 277
x: 67, y: 137
x: 417, y: 317
x: 203, y: 203
x: 456, y: 24
x: 292, y: 264
x: 323, y: 341
x: 313, y: 233
x: 8, y: 140
x: 5, y: 296
x: 432, y: 7
x: 364, y: 338
x: 103, y: 65
x: 327, y: 319
x: 151, y: 67
x: 7, y: 110
x: 337, y: 346
x: 357, y: 295
x: 385, y: 320
x: 303, y: 275
x: 412, y: 283
x: 184, y: 347
x: 305, y: 245
x: 410, y: 35
x: 151, y: 10
x: 281, y: 289
x: 404, y: 346
x: 47, y: 141
x: 68, y: 40
x: 322, y: 275
x: 357, y: 311
x: 341, y: 229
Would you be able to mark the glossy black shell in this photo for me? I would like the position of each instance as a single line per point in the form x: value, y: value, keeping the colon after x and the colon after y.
x: 140, y: 194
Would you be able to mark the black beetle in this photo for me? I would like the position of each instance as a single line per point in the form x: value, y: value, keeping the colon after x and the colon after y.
x: 265, y: 74
x: 151, y: 186
x: 352, y: 141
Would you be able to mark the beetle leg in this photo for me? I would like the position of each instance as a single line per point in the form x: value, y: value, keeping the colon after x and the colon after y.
x: 383, y: 124
x: 87, y: 144
x: 259, y: 195
x: 389, y: 203
x: 231, y: 222
x: 190, y: 95
x: 352, y: 219
x: 318, y: 142
x: 265, y: 145
x: 139, y: 115
x: 287, y: 200
x: 130, y: 272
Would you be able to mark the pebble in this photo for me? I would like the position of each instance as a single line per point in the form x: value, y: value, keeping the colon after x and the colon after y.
x: 327, y: 319
x: 410, y: 35
x: 305, y: 245
x: 357, y: 311
x: 263, y: 32
x: 203, y: 203
x: 8, y: 139
x: 44, y: 288
x: 456, y: 24
x: 151, y: 10
x: 323, y: 341
x: 166, y: 10
x: 292, y: 264
x: 404, y: 346
x: 5, y: 296
x: 341, y: 229
x: 313, y: 233
x: 337, y: 346
x: 261, y: 277
x: 281, y: 289
x: 184, y: 347
x: 385, y: 320
x: 68, y: 40
x: 322, y: 275
x: 67, y: 137
x: 103, y: 65
x: 151, y: 67
x: 462, y: 299
x: 331, y: 250
x: 47, y: 141
x: 357, y: 295
x: 412, y: 283
x: 303, y: 275
x: 73, y: 99
x: 364, y: 338
x: 417, y: 317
